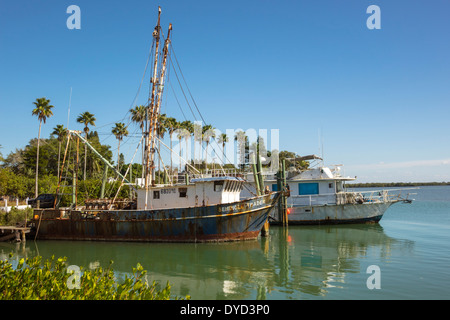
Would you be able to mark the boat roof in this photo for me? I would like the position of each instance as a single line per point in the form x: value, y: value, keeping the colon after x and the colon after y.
x: 221, y: 178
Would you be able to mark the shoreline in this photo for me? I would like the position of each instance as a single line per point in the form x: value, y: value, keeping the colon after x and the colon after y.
x: 395, y: 184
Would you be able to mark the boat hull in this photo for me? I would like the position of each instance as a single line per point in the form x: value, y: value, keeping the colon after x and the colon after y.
x: 368, y: 212
x: 242, y: 220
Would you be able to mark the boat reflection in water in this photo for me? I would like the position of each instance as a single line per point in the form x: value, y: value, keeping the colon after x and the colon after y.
x: 293, y: 263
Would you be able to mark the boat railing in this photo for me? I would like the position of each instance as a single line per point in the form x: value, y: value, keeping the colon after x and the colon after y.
x: 180, y: 178
x: 207, y: 173
x: 384, y: 195
x: 352, y: 197
x: 312, y: 199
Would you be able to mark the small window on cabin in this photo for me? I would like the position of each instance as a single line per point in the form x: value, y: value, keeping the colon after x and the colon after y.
x: 156, y: 194
x: 183, y: 192
x: 218, y: 186
x: 330, y: 185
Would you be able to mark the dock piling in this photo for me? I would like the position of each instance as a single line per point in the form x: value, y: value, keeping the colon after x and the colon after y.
x: 282, y: 202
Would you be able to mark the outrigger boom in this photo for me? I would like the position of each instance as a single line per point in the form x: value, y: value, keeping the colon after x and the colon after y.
x: 106, y: 162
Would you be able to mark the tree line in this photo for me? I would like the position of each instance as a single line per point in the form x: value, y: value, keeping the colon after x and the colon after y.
x: 45, y: 163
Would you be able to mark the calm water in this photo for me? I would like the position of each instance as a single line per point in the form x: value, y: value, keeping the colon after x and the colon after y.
x: 410, y: 245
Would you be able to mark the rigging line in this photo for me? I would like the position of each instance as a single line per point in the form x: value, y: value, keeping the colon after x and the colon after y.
x: 114, y: 122
x: 181, y: 87
x: 139, y: 88
x: 150, y: 54
x: 128, y: 169
x: 171, y: 47
x: 110, y: 134
x: 187, y: 163
x: 145, y: 71
x: 164, y: 167
x: 125, y: 142
x: 181, y: 109
x: 174, y: 94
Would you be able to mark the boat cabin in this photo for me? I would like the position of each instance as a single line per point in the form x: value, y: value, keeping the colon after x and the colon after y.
x: 199, y: 192
x: 314, y: 186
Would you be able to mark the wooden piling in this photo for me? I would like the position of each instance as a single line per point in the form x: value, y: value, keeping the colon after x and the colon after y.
x: 265, y: 229
x: 282, y: 202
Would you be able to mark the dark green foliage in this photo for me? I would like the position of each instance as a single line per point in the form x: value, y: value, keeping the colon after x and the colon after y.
x: 15, y: 216
x: 35, y: 279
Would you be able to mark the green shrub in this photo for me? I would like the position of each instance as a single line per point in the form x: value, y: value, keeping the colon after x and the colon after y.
x: 15, y: 216
x: 33, y: 280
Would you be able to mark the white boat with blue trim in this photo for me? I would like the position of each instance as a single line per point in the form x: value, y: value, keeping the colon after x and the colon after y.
x: 318, y: 195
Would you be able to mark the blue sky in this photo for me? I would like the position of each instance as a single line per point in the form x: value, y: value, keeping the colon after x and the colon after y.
x: 378, y: 101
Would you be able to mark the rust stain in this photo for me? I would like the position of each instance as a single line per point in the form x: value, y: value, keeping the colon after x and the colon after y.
x: 239, y: 221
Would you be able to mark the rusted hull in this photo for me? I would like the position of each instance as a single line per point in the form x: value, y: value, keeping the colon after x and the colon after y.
x: 241, y: 220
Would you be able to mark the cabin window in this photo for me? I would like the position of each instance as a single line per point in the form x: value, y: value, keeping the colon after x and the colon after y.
x: 218, y: 186
x: 156, y: 194
x: 183, y: 192
x: 330, y: 185
x: 308, y: 188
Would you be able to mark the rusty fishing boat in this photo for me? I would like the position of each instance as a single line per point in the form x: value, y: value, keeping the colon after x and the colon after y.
x: 199, y: 209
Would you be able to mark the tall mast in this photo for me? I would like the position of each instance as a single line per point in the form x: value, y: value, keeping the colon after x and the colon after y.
x: 157, y: 106
x: 153, y: 108
x: 149, y: 112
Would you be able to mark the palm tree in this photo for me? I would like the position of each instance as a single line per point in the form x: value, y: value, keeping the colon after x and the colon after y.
x: 240, y: 137
x: 188, y: 126
x: 43, y: 110
x: 87, y: 119
x: 60, y: 133
x: 171, y: 125
x: 138, y: 116
x: 223, y: 138
x: 120, y: 131
x: 197, y: 137
x: 160, y: 131
x: 182, y: 133
x: 208, y: 133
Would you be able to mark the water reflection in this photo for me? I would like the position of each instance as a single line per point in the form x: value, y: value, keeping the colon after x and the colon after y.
x: 293, y: 263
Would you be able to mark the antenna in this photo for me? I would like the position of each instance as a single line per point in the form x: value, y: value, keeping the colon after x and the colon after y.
x: 321, y: 145
x: 68, y: 112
